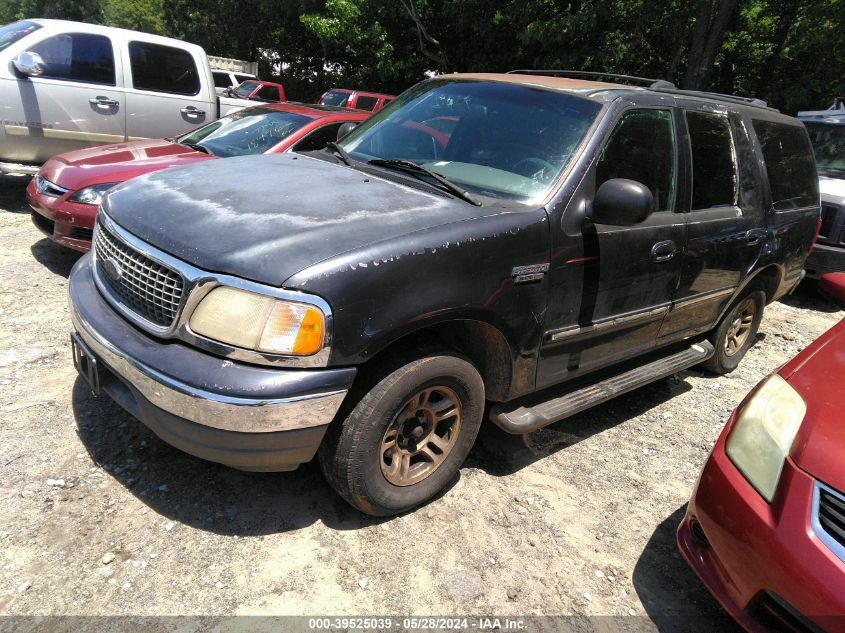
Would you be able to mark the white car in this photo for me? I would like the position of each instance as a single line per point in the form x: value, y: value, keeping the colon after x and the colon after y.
x: 67, y: 85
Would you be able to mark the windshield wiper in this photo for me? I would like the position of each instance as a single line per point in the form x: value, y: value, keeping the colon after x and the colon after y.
x: 413, y: 168
x: 337, y: 149
x: 197, y: 147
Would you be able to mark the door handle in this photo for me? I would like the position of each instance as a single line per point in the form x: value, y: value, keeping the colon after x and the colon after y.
x: 104, y: 102
x: 663, y: 251
x: 753, y: 236
x: 192, y: 111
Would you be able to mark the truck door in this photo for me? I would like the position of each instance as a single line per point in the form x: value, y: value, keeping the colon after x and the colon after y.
x: 726, y: 227
x: 77, y: 101
x: 166, y: 94
x: 612, y: 285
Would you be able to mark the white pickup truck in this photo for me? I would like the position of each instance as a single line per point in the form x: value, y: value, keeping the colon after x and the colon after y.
x: 66, y: 85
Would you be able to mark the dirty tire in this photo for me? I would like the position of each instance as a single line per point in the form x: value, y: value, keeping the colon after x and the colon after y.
x: 352, y: 454
x: 748, y: 308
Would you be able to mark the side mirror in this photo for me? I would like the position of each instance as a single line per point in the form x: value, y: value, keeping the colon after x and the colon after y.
x: 621, y: 202
x: 345, y: 129
x: 29, y: 64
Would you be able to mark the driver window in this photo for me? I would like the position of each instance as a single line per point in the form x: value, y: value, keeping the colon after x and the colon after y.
x: 642, y: 148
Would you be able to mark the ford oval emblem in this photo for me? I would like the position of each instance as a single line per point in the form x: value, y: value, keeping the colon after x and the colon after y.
x: 112, y: 269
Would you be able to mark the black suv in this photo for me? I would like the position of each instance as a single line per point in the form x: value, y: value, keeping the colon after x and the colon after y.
x: 524, y: 244
x: 827, y: 135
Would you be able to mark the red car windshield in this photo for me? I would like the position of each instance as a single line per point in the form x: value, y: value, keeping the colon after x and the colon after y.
x: 249, y: 131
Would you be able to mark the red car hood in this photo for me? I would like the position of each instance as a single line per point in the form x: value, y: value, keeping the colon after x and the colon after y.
x: 116, y: 163
x: 818, y: 374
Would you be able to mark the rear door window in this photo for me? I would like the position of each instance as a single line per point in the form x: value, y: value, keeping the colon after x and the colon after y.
x: 268, y: 93
x: 79, y: 57
x: 713, y: 160
x: 158, y: 68
x: 789, y: 163
x: 642, y: 148
x: 366, y: 103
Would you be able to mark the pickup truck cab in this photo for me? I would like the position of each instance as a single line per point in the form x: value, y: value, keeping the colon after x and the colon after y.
x: 559, y: 243
x: 67, y: 85
x: 356, y: 99
x: 248, y: 93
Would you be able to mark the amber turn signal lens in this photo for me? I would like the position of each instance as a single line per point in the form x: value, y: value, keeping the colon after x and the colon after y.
x: 260, y: 322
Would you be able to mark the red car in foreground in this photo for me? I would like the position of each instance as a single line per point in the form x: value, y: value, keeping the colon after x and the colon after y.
x: 65, y: 193
x: 765, y: 529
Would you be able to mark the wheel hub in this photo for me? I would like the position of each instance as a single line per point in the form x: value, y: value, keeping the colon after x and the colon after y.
x: 740, y: 329
x: 421, y: 435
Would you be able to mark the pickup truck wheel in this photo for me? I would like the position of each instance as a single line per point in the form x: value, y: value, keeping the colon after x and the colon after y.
x: 736, y: 332
x: 406, y: 438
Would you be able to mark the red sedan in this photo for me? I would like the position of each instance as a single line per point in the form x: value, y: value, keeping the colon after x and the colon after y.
x: 765, y: 529
x: 65, y: 193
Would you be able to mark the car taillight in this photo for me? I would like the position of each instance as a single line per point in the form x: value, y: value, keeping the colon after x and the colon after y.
x: 816, y: 236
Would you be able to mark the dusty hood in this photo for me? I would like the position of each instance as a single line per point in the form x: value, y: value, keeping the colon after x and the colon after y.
x: 117, y: 162
x: 266, y: 217
x: 819, y: 448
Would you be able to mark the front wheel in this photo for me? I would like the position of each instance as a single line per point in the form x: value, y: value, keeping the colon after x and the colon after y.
x: 736, y: 333
x: 406, y: 437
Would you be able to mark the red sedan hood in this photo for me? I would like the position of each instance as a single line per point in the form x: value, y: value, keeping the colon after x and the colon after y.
x: 116, y: 163
x: 818, y: 374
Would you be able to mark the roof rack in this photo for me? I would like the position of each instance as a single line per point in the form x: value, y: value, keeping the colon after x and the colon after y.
x: 658, y: 85
x: 654, y: 84
x: 716, y: 95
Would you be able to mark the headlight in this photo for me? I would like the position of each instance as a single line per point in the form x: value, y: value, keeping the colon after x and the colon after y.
x: 763, y: 433
x: 91, y: 195
x: 254, y: 321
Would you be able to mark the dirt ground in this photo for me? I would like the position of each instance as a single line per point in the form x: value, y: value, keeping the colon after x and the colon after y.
x: 100, y: 517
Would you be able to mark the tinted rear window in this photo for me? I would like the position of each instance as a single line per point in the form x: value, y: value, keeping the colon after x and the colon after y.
x: 160, y: 68
x: 366, y: 103
x: 789, y: 162
x: 713, y: 169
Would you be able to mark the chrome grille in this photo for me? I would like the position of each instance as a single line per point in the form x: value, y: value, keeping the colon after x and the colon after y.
x: 832, y: 515
x: 149, y: 289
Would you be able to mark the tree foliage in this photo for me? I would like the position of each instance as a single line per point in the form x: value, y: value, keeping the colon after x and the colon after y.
x: 789, y: 52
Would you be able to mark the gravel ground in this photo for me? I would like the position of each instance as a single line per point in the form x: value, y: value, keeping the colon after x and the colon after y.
x: 103, y: 518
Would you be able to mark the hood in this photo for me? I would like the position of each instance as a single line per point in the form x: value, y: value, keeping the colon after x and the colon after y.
x: 819, y: 448
x: 117, y: 162
x: 267, y: 217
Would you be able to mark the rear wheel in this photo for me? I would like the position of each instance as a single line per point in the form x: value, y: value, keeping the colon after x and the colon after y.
x: 407, y: 436
x: 736, y: 332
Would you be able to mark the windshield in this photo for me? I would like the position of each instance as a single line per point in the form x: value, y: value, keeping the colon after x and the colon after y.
x: 334, y: 98
x: 246, y: 88
x: 250, y: 131
x: 493, y: 138
x: 11, y: 33
x: 828, y: 146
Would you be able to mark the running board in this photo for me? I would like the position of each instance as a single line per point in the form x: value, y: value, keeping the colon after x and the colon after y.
x: 522, y: 419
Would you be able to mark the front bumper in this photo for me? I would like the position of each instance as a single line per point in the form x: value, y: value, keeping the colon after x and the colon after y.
x: 247, y: 417
x: 825, y: 259
x: 68, y: 223
x: 763, y: 562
